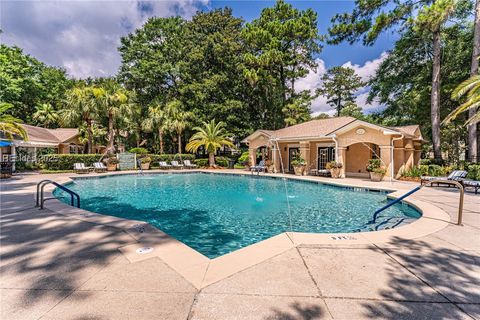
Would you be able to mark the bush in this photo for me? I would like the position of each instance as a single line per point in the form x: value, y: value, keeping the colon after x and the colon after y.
x: 430, y: 161
x: 66, y: 161
x: 201, y: 162
x: 222, y: 161
x: 473, y: 171
x: 414, y: 172
x: 138, y: 150
x: 243, y: 159
x: 373, y: 164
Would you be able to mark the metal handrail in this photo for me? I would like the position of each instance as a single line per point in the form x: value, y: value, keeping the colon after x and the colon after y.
x: 450, y: 182
x: 40, y: 187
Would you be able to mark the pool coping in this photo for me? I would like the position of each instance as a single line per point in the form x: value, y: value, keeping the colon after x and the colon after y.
x: 201, y: 271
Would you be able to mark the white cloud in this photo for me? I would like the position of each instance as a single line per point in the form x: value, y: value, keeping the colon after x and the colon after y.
x: 368, y: 69
x: 313, y: 81
x: 81, y: 36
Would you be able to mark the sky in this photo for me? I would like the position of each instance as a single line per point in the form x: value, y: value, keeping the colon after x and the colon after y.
x: 83, y: 36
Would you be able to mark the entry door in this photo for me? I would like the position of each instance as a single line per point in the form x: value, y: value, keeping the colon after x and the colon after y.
x: 292, y: 154
x: 325, y: 155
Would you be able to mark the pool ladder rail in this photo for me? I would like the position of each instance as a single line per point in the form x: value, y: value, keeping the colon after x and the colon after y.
x: 40, y: 200
x: 449, y: 182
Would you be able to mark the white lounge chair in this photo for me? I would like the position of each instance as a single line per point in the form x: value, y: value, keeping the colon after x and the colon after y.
x: 99, y: 167
x: 164, y: 165
x: 176, y: 165
x: 189, y: 165
x: 467, y: 183
x: 79, y: 167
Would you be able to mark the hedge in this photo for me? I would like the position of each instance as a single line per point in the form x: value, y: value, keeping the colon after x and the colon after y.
x: 66, y: 161
x: 202, y: 163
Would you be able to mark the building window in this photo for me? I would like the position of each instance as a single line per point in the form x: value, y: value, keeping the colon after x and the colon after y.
x: 375, y: 151
x: 325, y: 155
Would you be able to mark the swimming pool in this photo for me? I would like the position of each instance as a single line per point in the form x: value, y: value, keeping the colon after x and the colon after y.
x: 218, y: 213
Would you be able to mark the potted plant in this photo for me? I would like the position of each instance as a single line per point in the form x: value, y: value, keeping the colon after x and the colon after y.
x: 299, y: 164
x: 335, y: 168
x: 111, y: 163
x: 376, y: 170
x: 145, y: 162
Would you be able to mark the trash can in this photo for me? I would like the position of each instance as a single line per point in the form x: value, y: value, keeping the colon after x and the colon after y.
x: 231, y: 163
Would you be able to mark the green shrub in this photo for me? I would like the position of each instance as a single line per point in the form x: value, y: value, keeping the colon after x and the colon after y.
x: 203, y: 163
x: 66, y: 161
x: 373, y: 164
x: 244, y: 158
x: 473, y: 171
x: 222, y: 161
x: 239, y: 166
x: 138, y: 150
x: 414, y: 172
x: 430, y: 161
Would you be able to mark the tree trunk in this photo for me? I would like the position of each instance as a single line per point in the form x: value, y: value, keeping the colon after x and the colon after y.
x: 160, y: 137
x: 472, y: 129
x: 179, y: 142
x: 110, y: 144
x: 435, y: 96
x: 89, y: 136
x: 211, y: 159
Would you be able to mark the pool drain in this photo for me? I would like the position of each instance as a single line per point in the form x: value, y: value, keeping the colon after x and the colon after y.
x: 144, y: 250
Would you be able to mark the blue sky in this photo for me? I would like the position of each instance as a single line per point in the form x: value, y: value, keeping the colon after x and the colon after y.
x: 82, y: 36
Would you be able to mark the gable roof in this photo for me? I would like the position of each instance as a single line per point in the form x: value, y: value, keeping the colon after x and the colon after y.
x: 50, y: 135
x: 329, y: 126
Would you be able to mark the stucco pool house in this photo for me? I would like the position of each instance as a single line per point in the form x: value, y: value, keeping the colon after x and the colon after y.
x: 347, y: 140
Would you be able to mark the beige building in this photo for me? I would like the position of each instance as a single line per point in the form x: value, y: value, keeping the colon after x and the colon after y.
x: 347, y: 140
x: 62, y: 140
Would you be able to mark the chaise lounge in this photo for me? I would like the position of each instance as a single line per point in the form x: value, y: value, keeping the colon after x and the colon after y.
x: 261, y: 167
x: 164, y: 165
x: 456, y: 175
x: 99, y: 167
x: 176, y: 165
x: 79, y: 167
x: 189, y: 165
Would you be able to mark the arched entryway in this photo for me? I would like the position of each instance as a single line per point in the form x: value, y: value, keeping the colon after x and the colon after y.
x: 357, y: 156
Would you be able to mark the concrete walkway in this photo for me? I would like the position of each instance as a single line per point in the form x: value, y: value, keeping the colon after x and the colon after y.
x: 56, y: 267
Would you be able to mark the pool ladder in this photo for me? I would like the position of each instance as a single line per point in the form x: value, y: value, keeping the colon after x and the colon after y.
x: 448, y: 182
x: 40, y: 200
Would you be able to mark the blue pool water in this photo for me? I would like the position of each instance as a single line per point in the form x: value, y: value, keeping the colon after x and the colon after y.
x: 219, y: 213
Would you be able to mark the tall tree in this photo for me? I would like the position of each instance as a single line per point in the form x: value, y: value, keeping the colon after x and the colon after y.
x: 111, y: 99
x: 80, y: 108
x: 473, y: 143
x: 156, y: 120
x: 370, y: 18
x: 282, y: 44
x: 177, y: 120
x: 339, y: 85
x: 402, y: 81
x: 26, y: 82
x: 211, y: 136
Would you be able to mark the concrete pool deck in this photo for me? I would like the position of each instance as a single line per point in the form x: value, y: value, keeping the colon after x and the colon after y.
x: 58, y: 266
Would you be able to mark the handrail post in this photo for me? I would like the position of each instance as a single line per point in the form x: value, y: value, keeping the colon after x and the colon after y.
x: 462, y: 194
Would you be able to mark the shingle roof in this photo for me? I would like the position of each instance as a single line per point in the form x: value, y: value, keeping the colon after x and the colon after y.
x: 49, y: 135
x: 410, y: 130
x: 313, y: 128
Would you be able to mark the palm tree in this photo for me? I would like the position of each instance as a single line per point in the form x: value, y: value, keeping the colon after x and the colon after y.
x: 80, y: 107
x: 45, y: 115
x: 111, y: 98
x: 470, y: 88
x: 156, y: 119
x: 212, y: 137
x: 9, y: 125
x: 177, y: 120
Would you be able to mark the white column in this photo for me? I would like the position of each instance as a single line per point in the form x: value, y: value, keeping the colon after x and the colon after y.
x: 13, y: 153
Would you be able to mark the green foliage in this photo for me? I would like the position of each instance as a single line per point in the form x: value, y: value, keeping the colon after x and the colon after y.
x: 243, y: 159
x: 352, y: 110
x: 9, y: 125
x: 339, y: 84
x: 298, y: 160
x: 222, y: 161
x: 26, y: 82
x: 202, y: 163
x: 473, y: 171
x: 373, y: 164
x: 66, y: 161
x: 414, y: 172
x: 141, y: 151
